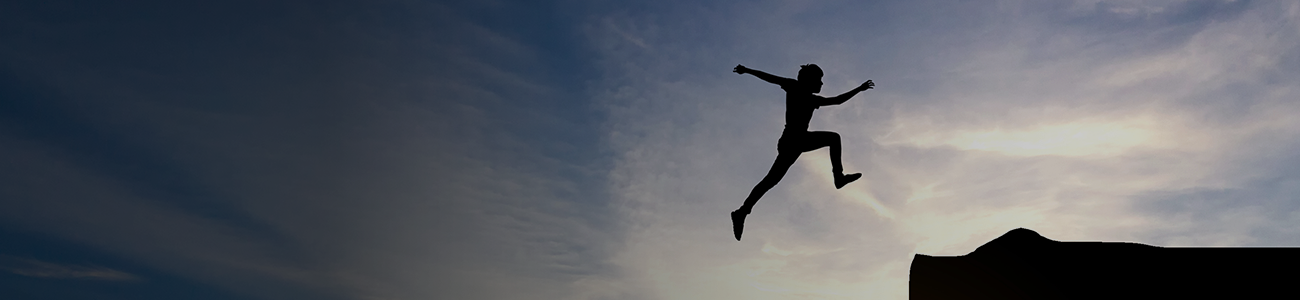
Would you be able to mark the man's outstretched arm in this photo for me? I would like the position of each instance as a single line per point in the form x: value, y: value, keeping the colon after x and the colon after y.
x: 778, y: 80
x: 837, y: 100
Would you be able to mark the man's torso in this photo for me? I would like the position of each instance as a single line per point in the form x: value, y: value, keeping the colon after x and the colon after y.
x: 799, y: 108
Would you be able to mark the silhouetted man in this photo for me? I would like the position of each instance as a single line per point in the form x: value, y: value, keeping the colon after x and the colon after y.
x: 799, y: 105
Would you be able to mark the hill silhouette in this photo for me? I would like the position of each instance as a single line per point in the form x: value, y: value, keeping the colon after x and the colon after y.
x: 1022, y: 264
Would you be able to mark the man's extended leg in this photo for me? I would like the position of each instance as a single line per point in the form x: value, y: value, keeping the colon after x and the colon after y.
x: 779, y: 167
x: 820, y: 139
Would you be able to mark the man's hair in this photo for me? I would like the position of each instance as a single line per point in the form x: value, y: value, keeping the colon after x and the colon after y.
x: 810, y: 71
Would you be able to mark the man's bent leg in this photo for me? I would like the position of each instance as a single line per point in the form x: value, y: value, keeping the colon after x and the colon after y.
x: 832, y: 140
x: 828, y: 139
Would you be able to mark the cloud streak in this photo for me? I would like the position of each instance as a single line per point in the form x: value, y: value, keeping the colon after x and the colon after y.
x: 41, y: 269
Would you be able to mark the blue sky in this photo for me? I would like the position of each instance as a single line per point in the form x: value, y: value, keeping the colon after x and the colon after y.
x: 592, y: 150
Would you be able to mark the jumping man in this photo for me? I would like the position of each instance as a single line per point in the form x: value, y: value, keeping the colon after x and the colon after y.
x: 799, y: 105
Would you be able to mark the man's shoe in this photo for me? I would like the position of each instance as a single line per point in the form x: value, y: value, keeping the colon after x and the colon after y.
x: 842, y: 180
x: 737, y: 223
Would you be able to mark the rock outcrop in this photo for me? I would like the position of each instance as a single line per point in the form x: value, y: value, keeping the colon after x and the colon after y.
x: 1022, y: 264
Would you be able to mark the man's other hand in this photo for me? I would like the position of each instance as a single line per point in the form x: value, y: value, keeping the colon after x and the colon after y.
x: 866, y: 85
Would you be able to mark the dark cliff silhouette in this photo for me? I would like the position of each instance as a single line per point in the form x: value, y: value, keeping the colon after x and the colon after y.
x: 1022, y: 264
x: 800, y: 101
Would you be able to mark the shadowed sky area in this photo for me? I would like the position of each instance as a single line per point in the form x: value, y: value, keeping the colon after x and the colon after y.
x: 593, y: 150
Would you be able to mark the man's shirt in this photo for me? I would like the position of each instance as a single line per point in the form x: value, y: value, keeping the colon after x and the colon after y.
x: 799, y: 106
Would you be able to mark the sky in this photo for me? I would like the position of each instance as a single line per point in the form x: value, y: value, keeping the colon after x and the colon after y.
x: 582, y: 149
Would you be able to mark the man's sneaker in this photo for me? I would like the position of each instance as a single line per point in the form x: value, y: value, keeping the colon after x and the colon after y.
x: 737, y: 223
x: 841, y: 180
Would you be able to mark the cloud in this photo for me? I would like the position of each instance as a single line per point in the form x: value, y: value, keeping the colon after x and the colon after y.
x: 1079, y: 138
x: 41, y: 269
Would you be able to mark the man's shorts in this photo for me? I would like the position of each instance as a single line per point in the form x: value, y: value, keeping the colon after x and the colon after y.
x: 801, y: 141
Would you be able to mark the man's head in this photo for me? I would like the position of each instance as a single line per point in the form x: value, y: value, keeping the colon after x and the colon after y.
x: 810, y: 75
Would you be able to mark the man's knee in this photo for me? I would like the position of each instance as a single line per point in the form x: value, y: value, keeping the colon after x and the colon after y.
x: 829, y: 137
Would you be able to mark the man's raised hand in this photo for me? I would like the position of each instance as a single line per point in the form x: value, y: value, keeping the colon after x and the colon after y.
x: 740, y: 69
x: 866, y: 85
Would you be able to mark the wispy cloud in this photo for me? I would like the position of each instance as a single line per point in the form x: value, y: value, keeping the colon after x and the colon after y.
x: 41, y: 269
